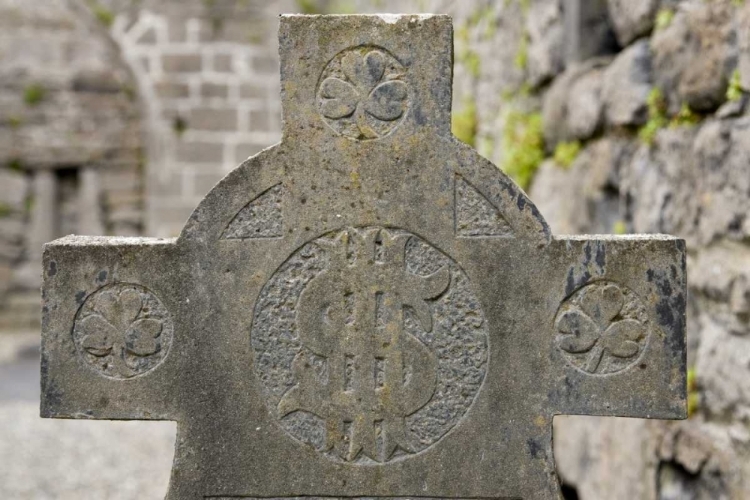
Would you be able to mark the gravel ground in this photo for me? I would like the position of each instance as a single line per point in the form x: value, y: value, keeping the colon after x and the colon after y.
x: 72, y: 459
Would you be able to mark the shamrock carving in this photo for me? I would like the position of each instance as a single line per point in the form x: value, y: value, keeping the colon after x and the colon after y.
x: 117, y: 330
x: 595, y: 325
x: 361, y: 90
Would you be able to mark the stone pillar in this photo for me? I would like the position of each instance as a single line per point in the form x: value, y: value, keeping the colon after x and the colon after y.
x: 43, y: 221
x: 89, y: 206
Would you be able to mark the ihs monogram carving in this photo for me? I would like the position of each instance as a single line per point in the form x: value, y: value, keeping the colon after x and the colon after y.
x: 122, y: 330
x: 602, y: 328
x: 361, y: 93
x: 370, y: 344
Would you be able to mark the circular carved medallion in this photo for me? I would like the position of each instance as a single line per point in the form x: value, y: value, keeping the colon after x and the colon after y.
x: 122, y: 330
x: 602, y: 328
x: 361, y: 93
x: 370, y: 345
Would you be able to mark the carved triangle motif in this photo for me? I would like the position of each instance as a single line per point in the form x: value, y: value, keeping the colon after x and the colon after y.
x: 261, y: 218
x: 476, y: 216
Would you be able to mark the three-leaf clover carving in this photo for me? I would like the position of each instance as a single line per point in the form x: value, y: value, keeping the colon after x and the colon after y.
x: 362, y: 94
x: 122, y: 330
x: 602, y: 328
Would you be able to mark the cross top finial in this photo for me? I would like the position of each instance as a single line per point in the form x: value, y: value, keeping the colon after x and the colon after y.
x: 365, y: 77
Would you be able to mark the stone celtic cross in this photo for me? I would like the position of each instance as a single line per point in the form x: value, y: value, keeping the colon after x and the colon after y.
x: 368, y: 309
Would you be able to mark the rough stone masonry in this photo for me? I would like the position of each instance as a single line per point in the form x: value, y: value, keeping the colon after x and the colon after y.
x: 367, y: 309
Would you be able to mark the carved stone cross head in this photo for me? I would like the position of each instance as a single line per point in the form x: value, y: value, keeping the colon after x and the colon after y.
x: 367, y: 309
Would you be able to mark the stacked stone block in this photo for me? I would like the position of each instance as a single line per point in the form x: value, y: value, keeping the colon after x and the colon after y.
x: 208, y: 73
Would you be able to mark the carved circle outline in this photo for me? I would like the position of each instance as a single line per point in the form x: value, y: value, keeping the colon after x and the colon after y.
x: 642, y: 316
x: 331, y: 69
x: 155, y: 309
x: 486, y: 353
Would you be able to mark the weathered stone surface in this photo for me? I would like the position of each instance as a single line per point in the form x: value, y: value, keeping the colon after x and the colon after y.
x: 693, y: 181
x: 584, y: 197
x: 545, y: 26
x: 369, y: 300
x: 632, y: 18
x: 573, y: 107
x: 588, y: 32
x: 686, y: 460
x: 694, y: 55
x: 703, y: 85
x: 743, y: 35
x: 627, y: 82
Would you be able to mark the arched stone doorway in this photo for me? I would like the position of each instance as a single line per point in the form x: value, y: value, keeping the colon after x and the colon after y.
x: 70, y: 142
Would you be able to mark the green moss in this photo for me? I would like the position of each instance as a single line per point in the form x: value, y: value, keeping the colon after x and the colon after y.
x: 693, y: 401
x: 464, y: 122
x: 472, y: 63
x: 686, y: 117
x: 15, y: 121
x: 462, y: 34
x: 33, y: 94
x: 179, y: 125
x: 657, y: 118
x: 521, y: 59
x: 16, y: 165
x: 309, y: 7
x: 523, y: 146
x: 734, y: 90
x: 475, y: 18
x: 102, y: 13
x: 738, y: 3
x: 487, y: 15
x: 490, y: 28
x: 663, y: 18
x: 343, y: 7
x: 619, y: 227
x: 5, y: 209
x: 217, y: 25
x: 566, y: 153
x: 130, y: 92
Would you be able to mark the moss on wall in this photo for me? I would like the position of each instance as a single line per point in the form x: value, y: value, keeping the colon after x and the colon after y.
x: 657, y: 117
x: 566, y: 153
x: 734, y: 90
x: 34, y: 94
x: 464, y: 122
x: 523, y: 146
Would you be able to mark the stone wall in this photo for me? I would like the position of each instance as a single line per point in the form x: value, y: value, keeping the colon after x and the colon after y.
x: 617, y: 115
x: 656, y: 138
x: 208, y: 74
x: 70, y: 142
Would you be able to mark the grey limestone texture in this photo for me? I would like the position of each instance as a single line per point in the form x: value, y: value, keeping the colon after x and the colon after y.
x: 368, y: 308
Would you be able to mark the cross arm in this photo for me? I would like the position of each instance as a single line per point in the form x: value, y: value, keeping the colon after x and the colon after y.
x: 108, y: 325
x: 618, y: 334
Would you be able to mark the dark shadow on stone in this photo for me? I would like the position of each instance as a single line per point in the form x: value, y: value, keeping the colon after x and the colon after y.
x: 569, y: 492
